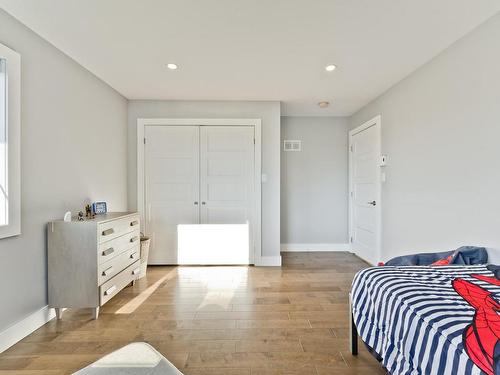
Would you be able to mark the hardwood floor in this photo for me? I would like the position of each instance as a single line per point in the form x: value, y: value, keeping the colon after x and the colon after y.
x: 215, y: 320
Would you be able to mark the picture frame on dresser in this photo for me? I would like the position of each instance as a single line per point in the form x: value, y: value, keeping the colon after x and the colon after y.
x: 91, y: 261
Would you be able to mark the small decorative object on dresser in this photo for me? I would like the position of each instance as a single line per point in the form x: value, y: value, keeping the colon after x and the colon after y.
x: 90, y: 261
x: 67, y: 216
x: 80, y: 216
x: 99, y: 208
x: 89, y: 214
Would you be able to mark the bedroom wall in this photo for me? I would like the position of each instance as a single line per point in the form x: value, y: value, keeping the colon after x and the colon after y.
x: 73, y: 146
x: 269, y: 112
x: 441, y: 131
x: 314, y: 186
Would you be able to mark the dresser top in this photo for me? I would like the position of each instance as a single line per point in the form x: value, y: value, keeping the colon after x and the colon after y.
x: 103, y: 218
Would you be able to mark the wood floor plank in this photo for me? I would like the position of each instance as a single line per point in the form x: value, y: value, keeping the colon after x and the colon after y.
x: 303, y: 370
x: 244, y: 315
x: 268, y: 345
x: 283, y: 323
x: 217, y: 371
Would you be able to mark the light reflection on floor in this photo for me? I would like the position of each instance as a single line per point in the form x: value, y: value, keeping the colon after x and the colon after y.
x: 220, y: 283
x: 133, y: 304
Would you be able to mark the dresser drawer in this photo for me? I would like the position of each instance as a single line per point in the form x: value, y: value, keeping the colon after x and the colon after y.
x: 113, y: 286
x: 110, y: 249
x: 112, y: 267
x: 116, y: 228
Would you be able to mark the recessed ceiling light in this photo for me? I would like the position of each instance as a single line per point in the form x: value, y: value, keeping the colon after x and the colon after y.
x: 172, y: 66
x: 323, y: 104
x: 330, y: 68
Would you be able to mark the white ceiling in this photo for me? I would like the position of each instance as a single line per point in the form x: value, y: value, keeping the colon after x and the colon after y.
x: 253, y: 49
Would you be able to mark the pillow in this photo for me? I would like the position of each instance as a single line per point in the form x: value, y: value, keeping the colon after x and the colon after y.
x: 465, y: 255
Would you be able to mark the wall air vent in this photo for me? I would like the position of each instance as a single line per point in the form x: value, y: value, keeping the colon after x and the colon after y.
x: 292, y: 145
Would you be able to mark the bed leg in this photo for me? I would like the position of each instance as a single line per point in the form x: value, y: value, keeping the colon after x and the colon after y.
x: 353, y: 337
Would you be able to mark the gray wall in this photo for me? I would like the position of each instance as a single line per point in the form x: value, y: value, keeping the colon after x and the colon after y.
x: 73, y: 148
x: 269, y: 112
x: 441, y: 131
x: 314, y: 184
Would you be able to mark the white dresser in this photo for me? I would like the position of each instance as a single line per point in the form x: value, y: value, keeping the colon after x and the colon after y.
x: 90, y: 261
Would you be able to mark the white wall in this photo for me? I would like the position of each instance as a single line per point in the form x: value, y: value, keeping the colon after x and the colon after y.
x: 73, y: 148
x: 314, y: 184
x: 269, y: 112
x: 441, y: 131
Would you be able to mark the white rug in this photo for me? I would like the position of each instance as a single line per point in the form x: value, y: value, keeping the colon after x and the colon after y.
x: 136, y: 358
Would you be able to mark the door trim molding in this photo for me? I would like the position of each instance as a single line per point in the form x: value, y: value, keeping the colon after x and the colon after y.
x: 377, y: 122
x: 270, y: 261
x: 256, y: 255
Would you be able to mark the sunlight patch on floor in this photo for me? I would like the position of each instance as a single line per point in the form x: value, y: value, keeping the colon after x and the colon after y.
x: 133, y: 304
x: 220, y: 283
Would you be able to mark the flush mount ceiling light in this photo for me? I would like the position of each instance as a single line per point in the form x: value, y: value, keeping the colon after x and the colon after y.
x: 330, y: 68
x: 172, y: 66
x: 323, y: 104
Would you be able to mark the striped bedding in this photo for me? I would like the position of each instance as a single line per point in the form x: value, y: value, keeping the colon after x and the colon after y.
x: 414, y: 319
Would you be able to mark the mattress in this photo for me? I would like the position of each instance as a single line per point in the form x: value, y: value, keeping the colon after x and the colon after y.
x: 423, y: 320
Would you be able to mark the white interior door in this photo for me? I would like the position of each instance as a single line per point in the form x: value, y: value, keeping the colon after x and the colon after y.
x: 171, y: 187
x: 365, y: 191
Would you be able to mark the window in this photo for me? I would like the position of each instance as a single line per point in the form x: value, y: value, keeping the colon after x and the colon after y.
x: 10, y: 160
x: 4, y: 208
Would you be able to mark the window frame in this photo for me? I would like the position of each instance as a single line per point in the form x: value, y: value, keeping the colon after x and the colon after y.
x: 13, y: 136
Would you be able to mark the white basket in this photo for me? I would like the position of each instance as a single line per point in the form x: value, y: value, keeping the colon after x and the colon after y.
x: 145, y: 242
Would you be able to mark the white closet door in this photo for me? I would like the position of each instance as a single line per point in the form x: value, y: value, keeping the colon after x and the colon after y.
x: 226, y: 195
x: 172, y: 187
x: 226, y: 174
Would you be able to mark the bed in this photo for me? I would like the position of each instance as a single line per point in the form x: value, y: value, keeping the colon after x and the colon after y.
x: 428, y: 320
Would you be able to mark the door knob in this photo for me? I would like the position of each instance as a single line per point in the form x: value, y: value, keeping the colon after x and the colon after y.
x: 195, y: 203
x: 373, y: 203
x: 203, y: 203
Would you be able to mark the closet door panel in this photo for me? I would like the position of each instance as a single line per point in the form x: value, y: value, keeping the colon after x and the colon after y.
x: 226, y: 174
x: 172, y: 187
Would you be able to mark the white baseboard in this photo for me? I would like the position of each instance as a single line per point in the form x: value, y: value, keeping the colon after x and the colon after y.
x: 23, y: 328
x: 269, y: 261
x: 289, y: 247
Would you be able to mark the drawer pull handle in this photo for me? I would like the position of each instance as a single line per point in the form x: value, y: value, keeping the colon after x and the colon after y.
x: 110, y: 290
x: 107, y: 232
x: 134, y: 223
x: 108, y: 251
x: 136, y: 271
x: 107, y: 271
x: 132, y: 256
x: 134, y: 239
